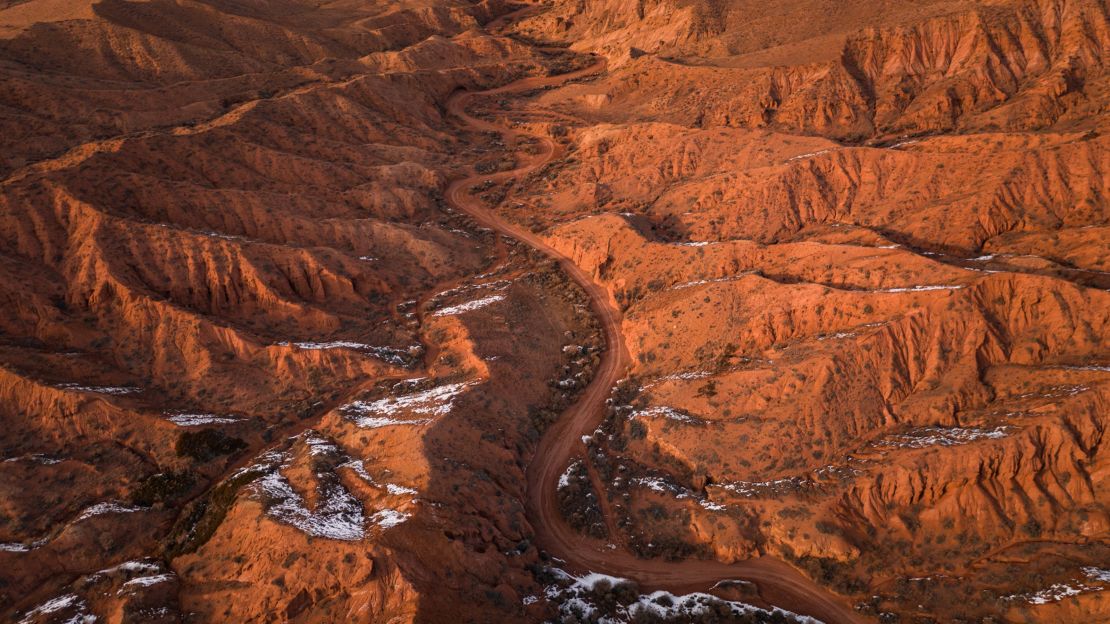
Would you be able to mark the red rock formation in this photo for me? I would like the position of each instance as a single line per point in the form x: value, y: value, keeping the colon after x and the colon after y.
x: 286, y: 316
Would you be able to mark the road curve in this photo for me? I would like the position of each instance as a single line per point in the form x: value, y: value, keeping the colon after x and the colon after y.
x: 779, y: 583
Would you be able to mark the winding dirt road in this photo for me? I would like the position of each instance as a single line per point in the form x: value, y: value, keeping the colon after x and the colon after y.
x: 779, y: 583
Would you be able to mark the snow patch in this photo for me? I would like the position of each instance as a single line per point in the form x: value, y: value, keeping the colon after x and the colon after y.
x: 808, y: 155
x: 564, y: 479
x: 921, y: 288
x: 132, y: 566
x: 196, y: 420
x: 147, y: 581
x: 469, y: 306
x: 37, y: 458
x: 318, y: 445
x: 661, y: 485
x: 750, y: 489
x: 652, y: 483
x: 437, y: 401
x: 1101, y: 575
x: 669, y: 413
x: 905, y: 143
x: 688, y: 376
x: 943, y: 436
x: 392, y: 488
x: 398, y: 490
x: 334, y: 344
x: 576, y: 595
x: 1101, y: 369
x: 338, y: 515
x: 391, y: 355
x: 1058, y: 591
x: 718, y: 280
x: 19, y: 547
x: 112, y: 390
x: 54, y: 605
x: 389, y: 518
x: 100, y: 509
x: 500, y: 284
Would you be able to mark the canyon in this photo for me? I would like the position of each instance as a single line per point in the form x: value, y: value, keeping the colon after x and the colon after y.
x: 654, y: 311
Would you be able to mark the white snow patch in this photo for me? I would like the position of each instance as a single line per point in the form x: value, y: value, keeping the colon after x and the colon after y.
x: 389, y: 518
x: 921, y: 288
x: 196, y: 420
x: 113, y: 390
x: 661, y: 485
x: 808, y: 155
x: 230, y: 237
x: 943, y: 436
x: 1101, y: 369
x: 37, y: 458
x: 669, y: 413
x: 1058, y: 591
x: 337, y: 516
x: 688, y: 376
x: 387, y: 354
x: 500, y: 284
x: 317, y: 445
x: 469, y: 306
x: 132, y: 566
x: 334, y: 344
x: 392, y: 488
x: 398, y: 490
x: 564, y: 479
x: 436, y: 401
x: 1055, y: 392
x: 718, y: 280
x: 573, y: 595
x: 106, y: 508
x: 54, y: 605
x: 749, y: 489
x: 1101, y: 575
x: 147, y: 581
x: 651, y: 482
x: 837, y: 336
x: 18, y: 547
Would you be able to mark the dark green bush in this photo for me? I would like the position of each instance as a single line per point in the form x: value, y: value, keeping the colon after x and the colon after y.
x: 162, y: 487
x: 207, y: 444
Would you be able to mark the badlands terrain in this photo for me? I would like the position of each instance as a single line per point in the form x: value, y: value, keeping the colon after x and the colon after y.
x: 572, y: 311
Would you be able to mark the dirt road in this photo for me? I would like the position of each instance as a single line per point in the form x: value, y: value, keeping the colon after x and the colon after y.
x: 779, y: 583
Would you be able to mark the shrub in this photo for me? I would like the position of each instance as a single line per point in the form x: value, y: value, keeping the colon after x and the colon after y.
x: 207, y: 444
x: 162, y: 487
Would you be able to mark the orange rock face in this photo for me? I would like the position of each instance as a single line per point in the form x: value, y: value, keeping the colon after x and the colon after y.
x: 446, y: 310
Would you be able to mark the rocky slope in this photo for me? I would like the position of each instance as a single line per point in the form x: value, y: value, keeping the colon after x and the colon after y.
x: 864, y: 282
x: 258, y: 366
x: 221, y: 227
